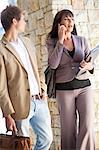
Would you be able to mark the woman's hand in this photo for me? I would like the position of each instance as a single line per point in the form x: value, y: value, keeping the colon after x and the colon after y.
x: 61, y: 33
x: 86, y: 65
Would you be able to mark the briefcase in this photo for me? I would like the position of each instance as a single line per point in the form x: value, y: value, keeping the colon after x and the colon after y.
x: 14, y: 142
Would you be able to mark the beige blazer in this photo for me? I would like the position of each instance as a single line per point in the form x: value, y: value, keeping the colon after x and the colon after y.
x: 14, y: 85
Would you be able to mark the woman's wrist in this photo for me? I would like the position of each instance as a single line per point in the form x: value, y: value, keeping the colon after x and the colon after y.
x: 61, y: 41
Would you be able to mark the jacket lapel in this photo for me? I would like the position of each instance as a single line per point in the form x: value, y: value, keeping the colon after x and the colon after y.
x: 76, y: 42
x: 75, y: 47
x: 10, y: 48
x: 79, y: 53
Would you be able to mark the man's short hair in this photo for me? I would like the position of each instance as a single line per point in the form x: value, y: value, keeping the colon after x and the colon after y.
x: 8, y: 14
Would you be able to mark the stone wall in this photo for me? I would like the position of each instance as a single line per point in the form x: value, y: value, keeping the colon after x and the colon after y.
x: 40, y: 14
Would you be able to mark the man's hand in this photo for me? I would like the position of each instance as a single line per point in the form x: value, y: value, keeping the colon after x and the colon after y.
x: 10, y: 124
x: 44, y: 96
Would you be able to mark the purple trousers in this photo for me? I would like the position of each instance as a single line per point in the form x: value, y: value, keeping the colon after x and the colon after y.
x: 73, y: 104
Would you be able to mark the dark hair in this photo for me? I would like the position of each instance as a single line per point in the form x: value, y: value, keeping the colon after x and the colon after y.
x: 8, y: 14
x: 57, y: 20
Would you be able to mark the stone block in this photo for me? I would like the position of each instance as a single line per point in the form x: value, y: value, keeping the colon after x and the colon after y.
x: 33, y: 5
x: 53, y: 107
x: 94, y: 41
x: 43, y: 39
x: 84, y: 30
x: 32, y: 20
x: 96, y: 4
x: 44, y: 50
x: 41, y: 27
x: 78, y: 4
x: 92, y: 29
x: 81, y: 16
x: 43, y: 3
x: 89, y: 4
x: 40, y: 14
x: 93, y: 16
x: 48, y: 19
x: 55, y: 121
x: 44, y: 57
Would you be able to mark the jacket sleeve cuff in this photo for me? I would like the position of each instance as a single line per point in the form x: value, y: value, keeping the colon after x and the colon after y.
x: 59, y: 46
x: 7, y: 109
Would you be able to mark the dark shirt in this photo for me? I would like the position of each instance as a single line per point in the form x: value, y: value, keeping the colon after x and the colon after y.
x: 72, y: 85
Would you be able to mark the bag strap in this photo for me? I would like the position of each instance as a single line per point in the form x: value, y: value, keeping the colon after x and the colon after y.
x: 9, y: 132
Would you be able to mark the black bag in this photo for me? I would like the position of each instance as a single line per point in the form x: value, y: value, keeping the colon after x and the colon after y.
x: 50, y: 81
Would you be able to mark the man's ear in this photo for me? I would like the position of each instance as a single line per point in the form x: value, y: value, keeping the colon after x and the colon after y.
x: 14, y: 21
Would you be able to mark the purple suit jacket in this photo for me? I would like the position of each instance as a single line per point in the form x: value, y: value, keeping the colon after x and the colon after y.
x: 67, y: 68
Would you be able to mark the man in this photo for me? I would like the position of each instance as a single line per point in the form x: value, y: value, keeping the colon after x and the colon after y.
x: 22, y: 93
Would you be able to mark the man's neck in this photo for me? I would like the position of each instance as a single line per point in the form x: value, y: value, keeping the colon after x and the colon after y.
x: 11, y: 36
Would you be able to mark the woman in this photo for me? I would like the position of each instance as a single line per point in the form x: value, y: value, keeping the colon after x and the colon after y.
x: 70, y: 56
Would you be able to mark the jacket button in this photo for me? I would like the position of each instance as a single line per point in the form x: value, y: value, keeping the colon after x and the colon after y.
x: 28, y: 89
x: 73, y: 67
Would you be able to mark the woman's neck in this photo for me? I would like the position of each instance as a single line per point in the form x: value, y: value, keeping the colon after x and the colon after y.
x: 68, y: 36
